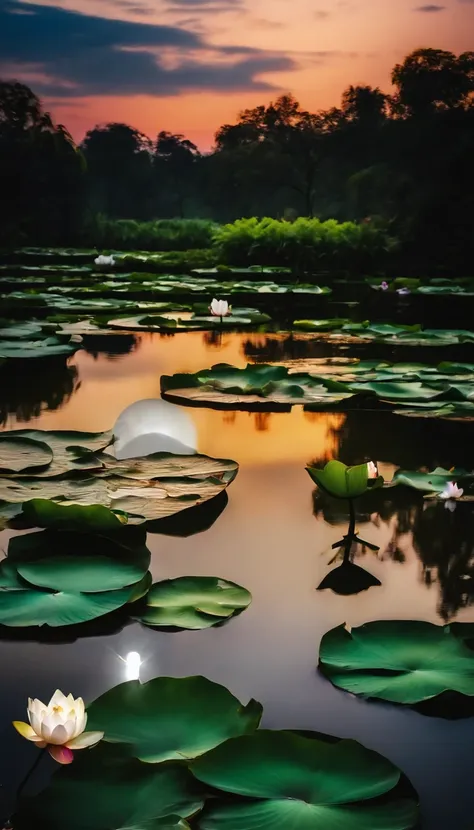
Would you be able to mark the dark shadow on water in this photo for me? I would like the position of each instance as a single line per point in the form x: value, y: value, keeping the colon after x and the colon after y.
x: 191, y: 521
x: 28, y: 387
x: 112, y: 346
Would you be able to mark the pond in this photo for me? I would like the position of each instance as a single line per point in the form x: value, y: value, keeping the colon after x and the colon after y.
x: 273, y: 537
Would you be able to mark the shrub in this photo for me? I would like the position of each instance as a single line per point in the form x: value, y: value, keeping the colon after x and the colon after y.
x: 303, y: 245
x: 157, y: 235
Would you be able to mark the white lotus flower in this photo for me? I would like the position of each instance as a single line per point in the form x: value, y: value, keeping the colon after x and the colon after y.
x: 104, y: 260
x: 59, y: 726
x: 372, y: 471
x: 220, y: 308
x: 451, y: 491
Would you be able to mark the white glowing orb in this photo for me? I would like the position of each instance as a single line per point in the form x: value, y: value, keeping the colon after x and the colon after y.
x: 152, y: 426
x: 132, y: 665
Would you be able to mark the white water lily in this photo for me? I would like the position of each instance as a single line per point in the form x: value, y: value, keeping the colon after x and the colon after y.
x: 451, y: 491
x: 220, y: 308
x: 102, y: 259
x: 372, y: 471
x: 59, y: 726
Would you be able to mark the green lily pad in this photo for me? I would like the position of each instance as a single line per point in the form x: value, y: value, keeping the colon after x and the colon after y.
x: 171, y: 718
x: 303, y: 783
x: 49, y: 347
x: 105, y: 789
x: 255, y: 386
x: 32, y: 607
x: 193, y: 602
x: 20, y: 454
x: 399, y: 661
x: 344, y: 482
x: 72, y: 562
x: 434, y: 482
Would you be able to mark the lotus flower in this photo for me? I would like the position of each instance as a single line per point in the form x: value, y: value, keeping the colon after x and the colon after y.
x: 105, y: 260
x: 372, y: 470
x: 403, y: 291
x: 59, y: 726
x: 220, y: 308
x: 384, y: 286
x: 451, y: 491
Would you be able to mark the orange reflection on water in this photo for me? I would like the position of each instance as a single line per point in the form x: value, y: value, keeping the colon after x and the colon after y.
x: 106, y: 387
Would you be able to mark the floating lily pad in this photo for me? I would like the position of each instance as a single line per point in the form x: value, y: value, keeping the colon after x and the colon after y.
x: 399, y: 661
x: 105, y: 789
x: 68, y: 561
x: 31, y: 607
x: 23, y: 349
x: 193, y: 602
x: 66, y: 451
x: 239, y: 318
x: 434, y: 482
x: 256, y: 385
x: 171, y: 718
x: 22, y: 454
x: 140, y: 489
x: 300, y: 782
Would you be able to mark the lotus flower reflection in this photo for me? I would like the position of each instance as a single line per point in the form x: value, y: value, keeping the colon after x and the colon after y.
x: 220, y: 308
x: 451, y: 491
x: 59, y: 726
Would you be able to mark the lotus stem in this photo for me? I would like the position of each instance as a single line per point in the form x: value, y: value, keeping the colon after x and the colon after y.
x: 351, y: 536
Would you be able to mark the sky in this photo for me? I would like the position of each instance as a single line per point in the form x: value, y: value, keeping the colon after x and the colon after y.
x: 189, y: 66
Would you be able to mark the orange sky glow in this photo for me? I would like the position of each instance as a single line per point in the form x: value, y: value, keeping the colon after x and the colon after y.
x: 322, y: 45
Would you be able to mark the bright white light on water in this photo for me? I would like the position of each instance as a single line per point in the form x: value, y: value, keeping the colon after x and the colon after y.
x: 152, y: 426
x: 132, y: 665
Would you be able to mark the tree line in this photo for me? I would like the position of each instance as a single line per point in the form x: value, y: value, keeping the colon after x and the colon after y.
x: 402, y: 159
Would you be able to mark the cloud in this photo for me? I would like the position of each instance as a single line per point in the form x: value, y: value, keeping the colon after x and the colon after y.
x: 429, y: 8
x: 322, y: 14
x: 140, y: 9
x: 263, y: 23
x: 203, y: 6
x: 79, y: 55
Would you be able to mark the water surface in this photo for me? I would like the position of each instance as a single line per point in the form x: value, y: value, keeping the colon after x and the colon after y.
x: 273, y: 537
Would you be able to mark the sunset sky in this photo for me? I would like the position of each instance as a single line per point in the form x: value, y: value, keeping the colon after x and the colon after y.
x: 189, y: 66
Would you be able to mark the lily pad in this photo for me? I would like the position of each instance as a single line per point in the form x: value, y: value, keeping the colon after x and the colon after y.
x: 171, y: 718
x: 23, y: 349
x: 272, y: 387
x: 300, y: 782
x: 72, y: 562
x: 434, y: 482
x: 105, y: 789
x: 140, y: 489
x: 193, y: 602
x: 399, y: 661
x: 21, y: 454
x: 31, y: 607
x: 67, y: 451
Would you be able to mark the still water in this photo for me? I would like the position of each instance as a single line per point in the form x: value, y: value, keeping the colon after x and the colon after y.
x: 274, y: 537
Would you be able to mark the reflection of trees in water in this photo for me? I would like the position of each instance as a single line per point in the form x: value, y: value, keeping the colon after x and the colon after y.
x: 212, y: 338
x: 445, y: 544
x: 229, y: 417
x: 443, y: 541
x: 262, y: 421
x: 29, y: 387
x: 279, y: 348
x: 111, y: 345
x: 410, y: 443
